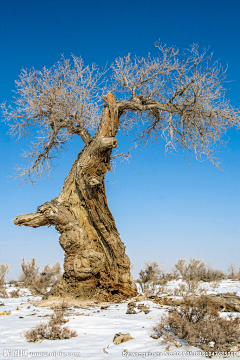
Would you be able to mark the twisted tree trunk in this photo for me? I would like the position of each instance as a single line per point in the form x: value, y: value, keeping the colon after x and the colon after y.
x: 95, y: 263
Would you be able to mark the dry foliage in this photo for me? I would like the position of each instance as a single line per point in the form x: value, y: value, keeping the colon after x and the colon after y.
x: 30, y: 271
x: 150, y: 277
x: 3, y: 293
x: 233, y: 271
x: 197, y: 321
x: 196, y: 270
x: 190, y: 287
x: 215, y: 284
x: 45, y: 331
x: 57, y: 317
x: 52, y: 330
x: 14, y: 293
x: 39, y: 282
x: 4, y: 272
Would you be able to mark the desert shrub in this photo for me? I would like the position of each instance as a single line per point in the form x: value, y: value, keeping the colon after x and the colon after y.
x: 52, y: 330
x: 3, y: 293
x: 166, y: 278
x: 212, y: 274
x: 4, y: 272
x: 192, y: 271
x: 198, y: 322
x: 150, y: 277
x: 14, y: 293
x: 196, y: 270
x: 215, y: 284
x: 30, y: 271
x: 233, y: 272
x: 57, y: 317
x: 150, y: 272
x: 39, y: 282
x: 47, y: 278
x: 13, y: 282
x: 190, y: 287
x: 180, y: 290
x: 45, y: 331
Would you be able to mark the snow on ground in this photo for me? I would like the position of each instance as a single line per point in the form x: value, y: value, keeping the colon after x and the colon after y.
x: 96, y: 326
x: 224, y: 286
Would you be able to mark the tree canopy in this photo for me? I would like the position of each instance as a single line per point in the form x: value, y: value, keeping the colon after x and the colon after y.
x: 177, y: 97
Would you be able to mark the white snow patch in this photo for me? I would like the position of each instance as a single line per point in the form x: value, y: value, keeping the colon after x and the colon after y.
x: 96, y: 329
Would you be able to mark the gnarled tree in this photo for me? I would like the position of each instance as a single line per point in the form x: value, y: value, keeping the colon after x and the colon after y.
x: 181, y: 99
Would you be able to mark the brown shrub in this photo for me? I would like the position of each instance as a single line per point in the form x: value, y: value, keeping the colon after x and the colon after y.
x: 45, y: 331
x: 215, y: 284
x: 233, y: 272
x: 4, y: 273
x: 150, y: 276
x: 14, y: 293
x: 3, y: 293
x: 190, y: 287
x: 57, y: 317
x: 14, y: 282
x: 52, y: 330
x: 197, y: 270
x: 197, y: 321
x: 38, y: 283
x: 30, y: 271
x: 193, y: 270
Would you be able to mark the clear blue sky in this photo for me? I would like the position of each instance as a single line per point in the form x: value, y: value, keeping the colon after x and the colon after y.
x: 164, y: 208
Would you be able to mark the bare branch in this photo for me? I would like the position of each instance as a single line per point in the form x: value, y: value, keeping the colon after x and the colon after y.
x: 53, y: 105
x: 181, y: 101
x: 123, y: 155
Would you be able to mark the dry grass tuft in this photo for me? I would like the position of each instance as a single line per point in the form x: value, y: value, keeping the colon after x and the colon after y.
x: 15, y: 293
x: 53, y: 329
x: 45, y: 331
x: 57, y: 317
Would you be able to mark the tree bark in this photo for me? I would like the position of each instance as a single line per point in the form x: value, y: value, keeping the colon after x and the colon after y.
x: 95, y: 263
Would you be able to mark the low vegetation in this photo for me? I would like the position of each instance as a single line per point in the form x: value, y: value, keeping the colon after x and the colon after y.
x: 52, y: 330
x: 15, y: 293
x: 197, y: 270
x: 152, y: 277
x: 198, y: 321
x: 45, y: 331
x: 58, y: 316
x: 37, y: 281
x: 4, y: 273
